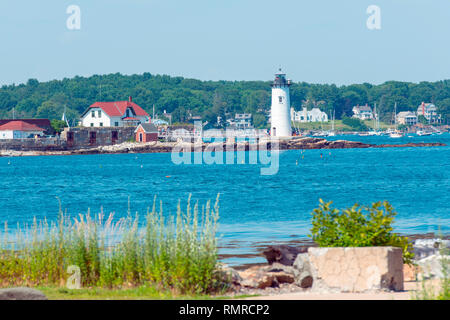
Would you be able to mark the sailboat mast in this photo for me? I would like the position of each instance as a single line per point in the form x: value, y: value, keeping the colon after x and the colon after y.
x: 395, y: 115
x: 334, y: 114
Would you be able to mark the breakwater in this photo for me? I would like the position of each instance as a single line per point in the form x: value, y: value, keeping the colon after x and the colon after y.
x: 165, y: 147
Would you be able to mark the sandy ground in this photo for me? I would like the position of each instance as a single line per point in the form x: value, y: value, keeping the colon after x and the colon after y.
x: 409, y: 289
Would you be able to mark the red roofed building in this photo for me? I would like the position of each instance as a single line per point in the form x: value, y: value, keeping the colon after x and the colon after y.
x: 41, y: 123
x: 114, y: 114
x: 18, y: 129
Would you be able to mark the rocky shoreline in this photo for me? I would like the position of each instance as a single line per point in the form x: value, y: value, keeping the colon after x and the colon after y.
x: 285, y: 270
x: 165, y: 147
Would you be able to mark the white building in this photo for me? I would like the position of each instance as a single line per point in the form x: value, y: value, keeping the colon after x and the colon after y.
x: 429, y: 111
x: 362, y: 112
x: 281, y: 106
x: 313, y: 115
x: 407, y: 118
x: 20, y: 130
x: 114, y: 114
x: 241, y: 121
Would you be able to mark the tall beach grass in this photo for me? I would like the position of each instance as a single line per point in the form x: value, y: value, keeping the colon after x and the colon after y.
x: 175, y: 253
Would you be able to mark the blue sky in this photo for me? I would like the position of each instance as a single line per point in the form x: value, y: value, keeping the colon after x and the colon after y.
x: 321, y: 41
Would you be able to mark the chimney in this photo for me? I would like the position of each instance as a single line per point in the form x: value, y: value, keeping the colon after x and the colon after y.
x: 130, y: 99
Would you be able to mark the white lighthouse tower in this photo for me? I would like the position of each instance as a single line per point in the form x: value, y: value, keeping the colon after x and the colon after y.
x: 281, y: 106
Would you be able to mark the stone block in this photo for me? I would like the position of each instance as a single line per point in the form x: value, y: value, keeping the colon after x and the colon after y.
x: 364, y: 269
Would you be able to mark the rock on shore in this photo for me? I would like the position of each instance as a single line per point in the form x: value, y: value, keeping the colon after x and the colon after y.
x: 291, y: 269
x: 160, y: 147
x: 21, y: 294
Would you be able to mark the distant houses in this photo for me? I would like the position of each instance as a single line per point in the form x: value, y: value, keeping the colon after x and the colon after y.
x: 146, y: 132
x: 305, y: 115
x: 18, y: 129
x: 114, y: 114
x: 362, y: 112
x: 241, y: 121
x: 41, y: 123
x: 407, y: 118
x: 429, y: 111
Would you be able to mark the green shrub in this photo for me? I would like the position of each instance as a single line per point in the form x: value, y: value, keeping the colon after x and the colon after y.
x: 354, y: 124
x: 358, y: 226
x: 58, y: 125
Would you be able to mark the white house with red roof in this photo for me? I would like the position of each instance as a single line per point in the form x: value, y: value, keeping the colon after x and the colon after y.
x: 114, y: 114
x: 429, y: 111
x: 18, y: 129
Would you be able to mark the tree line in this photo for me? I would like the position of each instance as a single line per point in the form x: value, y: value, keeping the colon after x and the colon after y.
x: 183, y: 97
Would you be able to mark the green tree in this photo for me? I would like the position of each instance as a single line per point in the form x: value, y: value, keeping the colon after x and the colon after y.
x: 259, y: 121
x: 58, y: 125
x: 421, y: 119
x: 354, y: 124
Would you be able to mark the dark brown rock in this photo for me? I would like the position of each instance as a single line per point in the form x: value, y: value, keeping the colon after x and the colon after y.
x: 283, y: 254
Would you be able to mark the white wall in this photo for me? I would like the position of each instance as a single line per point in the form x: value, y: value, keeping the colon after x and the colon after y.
x: 6, y: 134
x: 317, y: 115
x: 106, y: 120
x: 280, y: 112
x: 88, y: 119
x: 10, y: 134
x: 314, y: 115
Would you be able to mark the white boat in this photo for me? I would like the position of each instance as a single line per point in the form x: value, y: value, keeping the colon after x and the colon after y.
x: 424, y: 133
x: 376, y: 128
x: 332, y: 133
x: 396, y: 135
x: 320, y: 134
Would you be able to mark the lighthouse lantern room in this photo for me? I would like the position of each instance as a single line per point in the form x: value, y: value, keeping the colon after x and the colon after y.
x: 281, y: 105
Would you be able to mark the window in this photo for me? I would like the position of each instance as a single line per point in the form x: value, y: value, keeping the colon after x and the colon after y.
x: 280, y: 98
x: 116, y: 124
x: 93, y: 114
x: 101, y: 124
x: 92, y: 124
x: 99, y: 113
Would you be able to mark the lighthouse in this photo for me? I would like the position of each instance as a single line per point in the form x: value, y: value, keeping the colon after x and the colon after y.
x: 281, y: 104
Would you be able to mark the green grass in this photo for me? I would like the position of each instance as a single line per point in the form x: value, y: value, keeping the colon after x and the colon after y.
x: 139, y: 293
x: 338, y: 125
x: 177, y: 255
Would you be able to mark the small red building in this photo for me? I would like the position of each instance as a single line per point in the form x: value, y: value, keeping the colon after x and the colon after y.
x: 146, y: 132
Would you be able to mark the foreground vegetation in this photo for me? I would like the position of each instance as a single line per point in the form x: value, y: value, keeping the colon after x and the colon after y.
x: 177, y: 256
x: 358, y: 226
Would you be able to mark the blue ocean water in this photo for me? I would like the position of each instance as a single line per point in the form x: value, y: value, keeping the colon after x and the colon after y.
x: 254, y: 208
